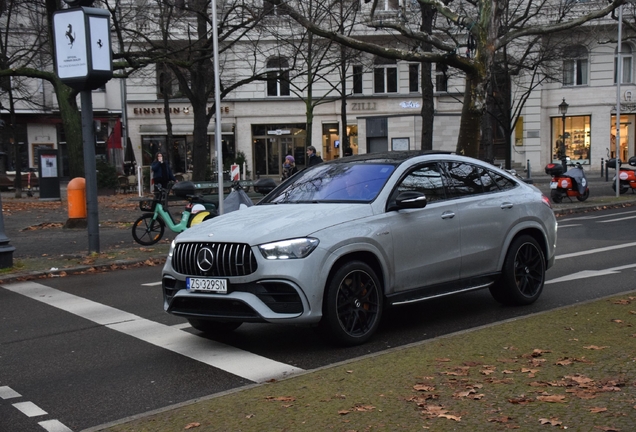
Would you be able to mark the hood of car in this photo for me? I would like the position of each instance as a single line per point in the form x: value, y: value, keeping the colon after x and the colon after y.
x: 265, y: 223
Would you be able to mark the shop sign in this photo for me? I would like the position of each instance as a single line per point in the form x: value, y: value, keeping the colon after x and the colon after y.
x: 279, y: 132
x: 173, y: 110
x: 363, y: 106
x: 409, y: 104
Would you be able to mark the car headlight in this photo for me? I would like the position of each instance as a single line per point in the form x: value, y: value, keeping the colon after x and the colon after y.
x: 171, y: 250
x: 288, y: 249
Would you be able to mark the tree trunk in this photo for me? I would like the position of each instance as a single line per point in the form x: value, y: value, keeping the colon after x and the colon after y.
x: 467, y: 142
x: 72, y: 122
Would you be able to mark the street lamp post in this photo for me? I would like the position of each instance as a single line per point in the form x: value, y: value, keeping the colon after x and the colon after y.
x: 563, y: 109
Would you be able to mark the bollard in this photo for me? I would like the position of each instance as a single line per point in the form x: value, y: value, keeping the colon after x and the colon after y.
x: 76, y: 191
x: 602, y: 166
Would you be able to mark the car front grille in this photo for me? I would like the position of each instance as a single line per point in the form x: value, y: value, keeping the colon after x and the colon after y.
x: 227, y: 259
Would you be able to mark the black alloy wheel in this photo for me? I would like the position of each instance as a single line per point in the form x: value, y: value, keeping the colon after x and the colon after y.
x: 353, y: 304
x: 523, y: 273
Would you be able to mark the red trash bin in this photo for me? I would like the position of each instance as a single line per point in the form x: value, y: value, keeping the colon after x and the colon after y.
x: 76, y: 191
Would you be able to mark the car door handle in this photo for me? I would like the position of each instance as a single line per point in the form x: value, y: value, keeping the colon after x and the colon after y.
x: 448, y: 215
x: 506, y: 205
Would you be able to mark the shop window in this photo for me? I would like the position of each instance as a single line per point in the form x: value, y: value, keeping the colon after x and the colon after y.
x: 385, y: 76
x: 387, y: 5
x: 167, y: 83
x: 576, y: 139
x: 575, y: 66
x: 441, y: 79
x: 278, y: 77
x: 270, y: 9
x: 357, y: 80
x: 626, y: 58
x: 414, y: 78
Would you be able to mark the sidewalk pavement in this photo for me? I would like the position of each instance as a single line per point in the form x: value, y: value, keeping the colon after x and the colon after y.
x: 44, y: 248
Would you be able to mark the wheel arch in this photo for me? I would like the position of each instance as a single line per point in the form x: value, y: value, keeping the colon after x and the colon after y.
x: 536, y: 234
x: 368, y: 258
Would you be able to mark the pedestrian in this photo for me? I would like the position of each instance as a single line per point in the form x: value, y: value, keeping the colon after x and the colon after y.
x: 312, y: 157
x: 289, y: 167
x: 161, y: 172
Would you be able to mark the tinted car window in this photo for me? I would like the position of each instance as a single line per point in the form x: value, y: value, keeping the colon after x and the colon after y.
x: 427, y: 179
x: 502, y: 182
x: 464, y: 179
x: 355, y: 182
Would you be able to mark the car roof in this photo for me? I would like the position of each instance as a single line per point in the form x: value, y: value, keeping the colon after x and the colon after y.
x: 393, y: 157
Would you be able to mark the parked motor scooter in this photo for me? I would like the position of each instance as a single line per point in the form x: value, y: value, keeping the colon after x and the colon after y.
x: 626, y: 175
x: 572, y: 183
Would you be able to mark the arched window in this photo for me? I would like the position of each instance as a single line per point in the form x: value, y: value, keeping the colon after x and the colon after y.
x: 626, y: 57
x: 385, y: 76
x: 277, y: 77
x: 575, y: 65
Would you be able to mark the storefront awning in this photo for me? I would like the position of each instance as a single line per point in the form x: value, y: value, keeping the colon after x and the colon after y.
x: 183, y: 129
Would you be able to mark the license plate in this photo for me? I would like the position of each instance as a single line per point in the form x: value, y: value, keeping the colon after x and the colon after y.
x: 553, y: 185
x: 206, y: 284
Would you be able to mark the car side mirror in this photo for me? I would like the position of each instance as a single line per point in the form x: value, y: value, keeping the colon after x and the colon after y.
x: 410, y: 199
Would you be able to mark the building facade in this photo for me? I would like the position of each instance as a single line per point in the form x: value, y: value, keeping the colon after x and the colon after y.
x: 265, y: 120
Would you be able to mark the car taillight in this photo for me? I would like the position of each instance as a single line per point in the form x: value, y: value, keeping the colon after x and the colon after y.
x: 546, y: 200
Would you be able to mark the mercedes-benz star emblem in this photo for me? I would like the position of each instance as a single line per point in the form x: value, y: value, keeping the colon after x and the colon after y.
x: 205, y: 259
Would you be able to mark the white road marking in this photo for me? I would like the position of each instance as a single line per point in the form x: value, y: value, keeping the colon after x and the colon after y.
x: 181, y: 326
x: 593, y: 251
x: 30, y: 409
x: 617, y: 220
x: 151, y: 284
x: 54, y: 426
x: 230, y: 359
x: 8, y: 393
x: 597, y: 217
x: 590, y: 273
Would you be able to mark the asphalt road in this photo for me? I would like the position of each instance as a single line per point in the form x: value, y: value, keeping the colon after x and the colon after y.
x: 92, y: 349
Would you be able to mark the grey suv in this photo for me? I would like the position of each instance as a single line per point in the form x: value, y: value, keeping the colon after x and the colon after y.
x: 339, y: 242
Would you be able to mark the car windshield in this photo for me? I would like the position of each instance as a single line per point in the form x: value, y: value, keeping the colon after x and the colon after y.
x: 341, y: 182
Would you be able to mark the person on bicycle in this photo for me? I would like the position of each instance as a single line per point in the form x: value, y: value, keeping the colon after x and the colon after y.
x: 161, y: 172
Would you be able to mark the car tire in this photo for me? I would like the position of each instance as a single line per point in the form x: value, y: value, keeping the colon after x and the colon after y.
x: 523, y: 273
x: 353, y: 304
x: 214, y: 327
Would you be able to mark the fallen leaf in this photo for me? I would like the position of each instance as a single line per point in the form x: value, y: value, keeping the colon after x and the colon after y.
x: 423, y: 387
x: 565, y: 362
x: 621, y: 302
x: 553, y: 421
x: 521, y: 401
x: 281, y: 398
x: 450, y: 417
x: 343, y: 412
x: 502, y: 419
x: 363, y: 408
x: 597, y: 410
x: 192, y: 425
x: 552, y: 398
x: 594, y: 347
x: 617, y: 321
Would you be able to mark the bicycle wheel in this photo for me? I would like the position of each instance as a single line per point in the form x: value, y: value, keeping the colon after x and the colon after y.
x: 147, y: 231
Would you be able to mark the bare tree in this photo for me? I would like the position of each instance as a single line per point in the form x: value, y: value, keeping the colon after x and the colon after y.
x: 477, y: 24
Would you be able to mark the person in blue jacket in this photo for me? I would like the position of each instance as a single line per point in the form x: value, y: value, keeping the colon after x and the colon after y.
x: 161, y: 172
